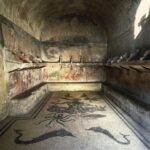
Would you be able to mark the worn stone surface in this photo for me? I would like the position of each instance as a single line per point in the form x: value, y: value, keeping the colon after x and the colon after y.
x: 26, y: 104
x: 136, y: 114
x: 140, y: 113
x: 74, y: 73
x: 82, y: 52
x: 75, y: 47
x: 20, y: 81
x: 131, y: 82
x: 72, y: 121
x: 3, y: 91
x: 17, y: 42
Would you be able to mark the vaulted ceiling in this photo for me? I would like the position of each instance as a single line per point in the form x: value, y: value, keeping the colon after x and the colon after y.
x: 44, y: 19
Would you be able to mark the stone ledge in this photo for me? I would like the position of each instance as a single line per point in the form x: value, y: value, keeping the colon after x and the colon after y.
x: 9, y: 121
x: 25, y: 105
x: 28, y: 92
x: 133, y: 115
x: 74, y: 86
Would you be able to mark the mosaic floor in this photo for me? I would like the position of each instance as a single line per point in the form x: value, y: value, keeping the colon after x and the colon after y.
x: 72, y: 121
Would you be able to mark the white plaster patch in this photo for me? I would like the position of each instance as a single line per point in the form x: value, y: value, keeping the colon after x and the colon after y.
x: 141, y: 15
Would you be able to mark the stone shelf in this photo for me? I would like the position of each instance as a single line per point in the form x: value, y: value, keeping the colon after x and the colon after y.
x: 27, y: 67
x: 74, y: 82
x: 77, y: 63
x: 28, y: 92
x: 139, y: 66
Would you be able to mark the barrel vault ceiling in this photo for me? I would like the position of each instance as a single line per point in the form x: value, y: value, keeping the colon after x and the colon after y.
x: 44, y: 19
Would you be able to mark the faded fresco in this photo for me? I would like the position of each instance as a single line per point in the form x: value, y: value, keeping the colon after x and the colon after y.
x: 70, y: 55
x: 73, y: 73
x: 20, y: 81
x: 17, y: 41
x: 86, y: 53
x: 21, y: 47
